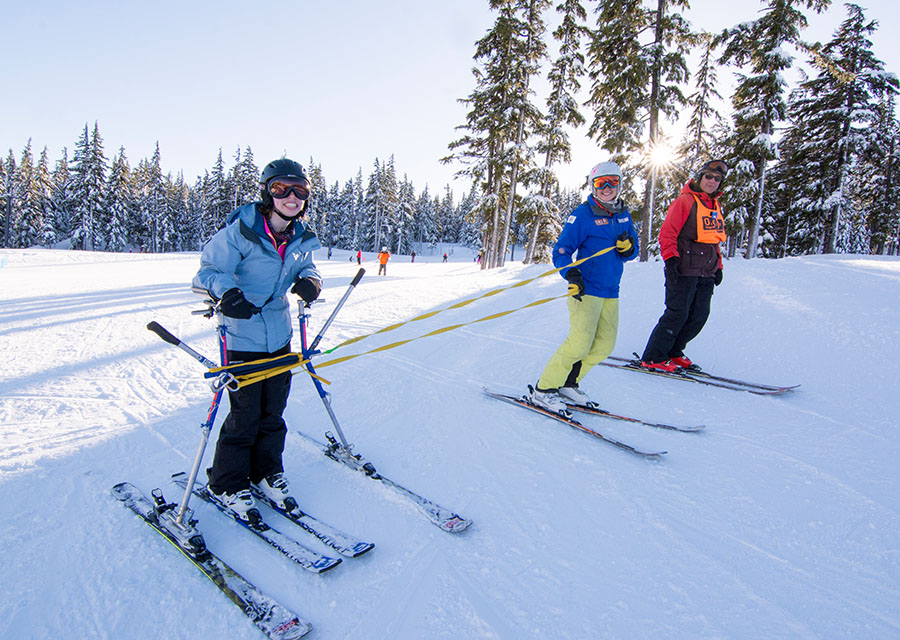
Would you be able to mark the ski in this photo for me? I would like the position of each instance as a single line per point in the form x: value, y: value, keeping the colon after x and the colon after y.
x: 341, y: 542
x: 271, y: 618
x: 441, y: 517
x: 594, y: 409
x: 572, y: 422
x: 306, y: 558
x: 701, y: 377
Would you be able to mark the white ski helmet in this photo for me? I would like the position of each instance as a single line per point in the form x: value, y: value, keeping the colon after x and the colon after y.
x: 605, y: 169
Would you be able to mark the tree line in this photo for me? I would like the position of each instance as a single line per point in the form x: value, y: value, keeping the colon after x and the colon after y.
x: 91, y: 202
x: 813, y: 166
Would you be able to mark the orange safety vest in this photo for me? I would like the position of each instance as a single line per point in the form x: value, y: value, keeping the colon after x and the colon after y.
x: 710, y: 223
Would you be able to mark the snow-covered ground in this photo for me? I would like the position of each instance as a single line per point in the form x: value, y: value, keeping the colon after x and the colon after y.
x: 780, y: 520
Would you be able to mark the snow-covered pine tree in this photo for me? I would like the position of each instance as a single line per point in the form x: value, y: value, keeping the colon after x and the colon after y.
x: 829, y: 171
x: 501, y: 116
x: 119, y: 203
x: 857, y: 103
x: 156, y: 205
x: 883, y: 161
x: 758, y: 101
x: 406, y: 216
x: 698, y: 141
x: 553, y: 139
x: 636, y: 61
x: 7, y: 194
x: 218, y: 200
x: 372, y: 212
x: 61, y: 197
x: 428, y: 231
x: 317, y: 210
x: 47, y: 232
x: 26, y: 221
x: 389, y: 204
x: 88, y: 178
x: 243, y: 179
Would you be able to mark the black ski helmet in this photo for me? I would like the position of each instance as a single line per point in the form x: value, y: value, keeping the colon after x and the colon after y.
x: 282, y: 168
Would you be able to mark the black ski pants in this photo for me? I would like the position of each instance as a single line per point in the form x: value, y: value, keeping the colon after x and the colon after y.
x: 687, y: 308
x: 251, y: 439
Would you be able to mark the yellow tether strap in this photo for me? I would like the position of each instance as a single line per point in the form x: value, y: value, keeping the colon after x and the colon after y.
x: 459, y: 305
x: 268, y: 373
x: 442, y: 330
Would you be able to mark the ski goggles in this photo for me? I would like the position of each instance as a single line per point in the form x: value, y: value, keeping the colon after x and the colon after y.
x: 714, y: 166
x: 601, y: 182
x: 283, y: 188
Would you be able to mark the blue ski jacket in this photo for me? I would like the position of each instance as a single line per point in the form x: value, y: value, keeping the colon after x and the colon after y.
x: 242, y: 255
x: 591, y: 228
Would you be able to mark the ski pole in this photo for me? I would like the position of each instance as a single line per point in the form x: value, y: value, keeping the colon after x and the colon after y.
x: 222, y: 381
x: 218, y: 388
x: 353, y: 283
x: 307, y: 352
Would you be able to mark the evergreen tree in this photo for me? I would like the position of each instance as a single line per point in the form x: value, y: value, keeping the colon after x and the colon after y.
x: 644, y: 78
x: 831, y: 164
x: 87, y: 187
x: 26, y: 219
x: 119, y: 203
x: 758, y: 100
x: 61, y: 198
x: 47, y: 232
x: 501, y: 117
x: 562, y: 110
x: 7, y: 174
x: 698, y: 140
x: 883, y: 158
x: 218, y: 200
x: 243, y: 181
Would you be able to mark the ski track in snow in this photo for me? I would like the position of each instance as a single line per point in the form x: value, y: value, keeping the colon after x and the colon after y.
x: 779, y: 520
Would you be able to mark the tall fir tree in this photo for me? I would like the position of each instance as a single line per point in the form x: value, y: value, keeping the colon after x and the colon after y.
x: 502, y: 116
x: 637, y: 64
x: 564, y: 77
x: 759, y: 101
x: 119, y: 200
x: 47, y: 233
x: 88, y: 178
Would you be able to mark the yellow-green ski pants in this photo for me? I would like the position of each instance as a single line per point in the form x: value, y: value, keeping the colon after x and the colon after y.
x: 593, y: 324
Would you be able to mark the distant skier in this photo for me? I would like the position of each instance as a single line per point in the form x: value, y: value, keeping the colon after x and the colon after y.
x: 689, y: 242
x: 445, y: 258
x: 359, y: 257
x: 599, y: 223
x: 264, y: 250
x: 383, y: 258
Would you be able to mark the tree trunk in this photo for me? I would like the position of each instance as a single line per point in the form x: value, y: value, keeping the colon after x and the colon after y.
x: 647, y: 217
x: 753, y: 238
x: 510, y: 205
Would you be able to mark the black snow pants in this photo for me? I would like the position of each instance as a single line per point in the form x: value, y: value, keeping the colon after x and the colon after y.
x: 687, y: 308
x: 251, y: 439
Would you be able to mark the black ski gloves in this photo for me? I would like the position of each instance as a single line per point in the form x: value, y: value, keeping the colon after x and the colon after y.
x: 624, y: 245
x: 573, y: 275
x: 235, y: 305
x: 307, y: 288
x: 717, y: 277
x: 671, y: 270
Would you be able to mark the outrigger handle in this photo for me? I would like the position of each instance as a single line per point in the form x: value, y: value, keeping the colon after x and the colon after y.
x: 163, y: 333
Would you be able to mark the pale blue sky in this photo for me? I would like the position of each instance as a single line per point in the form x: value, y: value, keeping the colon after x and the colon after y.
x: 341, y: 81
